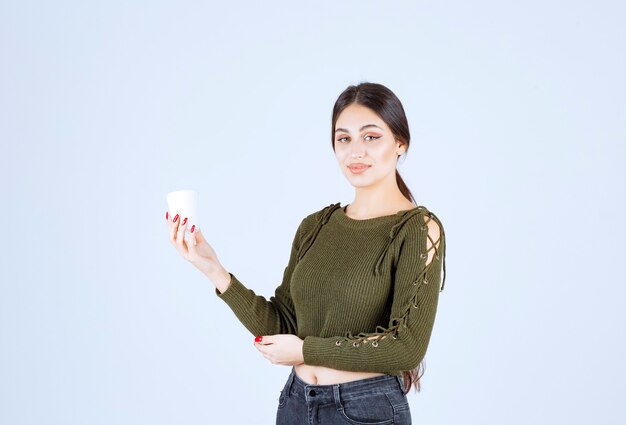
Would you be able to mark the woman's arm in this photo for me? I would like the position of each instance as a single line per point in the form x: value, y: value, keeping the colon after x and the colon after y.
x: 402, y: 345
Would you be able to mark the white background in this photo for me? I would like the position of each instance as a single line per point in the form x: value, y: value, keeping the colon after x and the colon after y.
x: 518, y: 123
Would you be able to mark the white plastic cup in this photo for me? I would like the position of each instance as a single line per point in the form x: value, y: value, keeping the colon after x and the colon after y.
x: 185, y: 204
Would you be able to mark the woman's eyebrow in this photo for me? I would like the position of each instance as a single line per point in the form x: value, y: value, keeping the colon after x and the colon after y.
x: 360, y: 129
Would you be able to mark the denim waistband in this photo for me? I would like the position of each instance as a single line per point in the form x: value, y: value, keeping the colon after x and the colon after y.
x: 348, y: 390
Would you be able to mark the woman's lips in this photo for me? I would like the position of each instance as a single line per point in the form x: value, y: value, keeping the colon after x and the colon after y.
x: 359, y: 170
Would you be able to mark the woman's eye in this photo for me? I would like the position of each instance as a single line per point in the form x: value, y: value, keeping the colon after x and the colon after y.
x: 373, y: 138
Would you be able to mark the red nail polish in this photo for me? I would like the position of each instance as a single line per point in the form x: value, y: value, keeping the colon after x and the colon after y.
x: 167, y: 216
x: 193, y: 227
x: 184, y: 221
x: 175, y: 218
x: 258, y: 339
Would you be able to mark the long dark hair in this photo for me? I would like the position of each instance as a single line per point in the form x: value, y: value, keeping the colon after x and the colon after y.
x: 386, y: 104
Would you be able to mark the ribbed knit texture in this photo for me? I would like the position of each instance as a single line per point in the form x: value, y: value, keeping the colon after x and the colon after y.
x: 348, y: 280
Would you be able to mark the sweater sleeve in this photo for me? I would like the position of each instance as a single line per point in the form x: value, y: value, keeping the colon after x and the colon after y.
x: 402, y: 345
x: 255, y: 312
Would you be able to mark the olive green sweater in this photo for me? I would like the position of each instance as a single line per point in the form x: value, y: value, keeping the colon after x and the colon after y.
x: 362, y: 294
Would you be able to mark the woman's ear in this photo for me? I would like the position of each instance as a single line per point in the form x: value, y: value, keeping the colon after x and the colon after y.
x: 401, y: 148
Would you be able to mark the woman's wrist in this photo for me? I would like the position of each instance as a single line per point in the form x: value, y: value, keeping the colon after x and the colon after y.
x: 221, y: 279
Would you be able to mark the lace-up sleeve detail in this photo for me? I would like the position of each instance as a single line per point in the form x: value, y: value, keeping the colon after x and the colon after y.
x: 321, y: 218
x: 255, y: 312
x: 402, y: 344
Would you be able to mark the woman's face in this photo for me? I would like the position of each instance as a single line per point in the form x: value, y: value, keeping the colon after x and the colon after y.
x: 361, y: 136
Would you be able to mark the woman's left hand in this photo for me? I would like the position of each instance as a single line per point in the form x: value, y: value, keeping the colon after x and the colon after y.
x: 283, y: 349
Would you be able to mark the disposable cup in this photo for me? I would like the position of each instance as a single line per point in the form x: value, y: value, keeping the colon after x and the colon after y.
x: 185, y: 204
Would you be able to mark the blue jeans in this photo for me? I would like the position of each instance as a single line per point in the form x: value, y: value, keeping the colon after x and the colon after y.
x: 379, y: 400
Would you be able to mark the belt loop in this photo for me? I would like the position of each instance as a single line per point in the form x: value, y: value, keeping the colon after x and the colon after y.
x: 401, y: 382
x: 337, y: 397
x: 290, y: 380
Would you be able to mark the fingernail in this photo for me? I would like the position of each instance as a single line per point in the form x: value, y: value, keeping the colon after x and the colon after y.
x: 167, y: 216
x: 184, y: 221
x: 193, y: 227
x: 175, y: 218
x: 258, y: 339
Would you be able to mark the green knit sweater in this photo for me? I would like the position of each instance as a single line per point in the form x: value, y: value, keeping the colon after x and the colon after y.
x: 349, y: 280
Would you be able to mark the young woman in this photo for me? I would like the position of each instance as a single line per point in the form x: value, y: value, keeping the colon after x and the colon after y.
x: 356, y: 307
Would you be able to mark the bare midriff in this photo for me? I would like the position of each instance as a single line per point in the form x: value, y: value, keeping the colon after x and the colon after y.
x: 320, y: 375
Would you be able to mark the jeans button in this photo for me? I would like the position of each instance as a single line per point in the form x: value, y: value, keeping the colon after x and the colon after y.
x: 312, y: 392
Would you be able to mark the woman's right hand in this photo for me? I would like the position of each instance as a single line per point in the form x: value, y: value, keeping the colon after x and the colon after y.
x: 197, y: 250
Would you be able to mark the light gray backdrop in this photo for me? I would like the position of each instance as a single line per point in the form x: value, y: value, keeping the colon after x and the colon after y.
x: 518, y: 125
